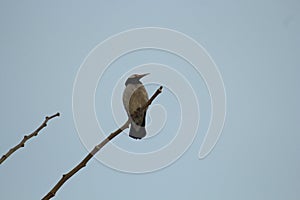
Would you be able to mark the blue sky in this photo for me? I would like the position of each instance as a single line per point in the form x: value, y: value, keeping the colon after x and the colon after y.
x: 256, y: 46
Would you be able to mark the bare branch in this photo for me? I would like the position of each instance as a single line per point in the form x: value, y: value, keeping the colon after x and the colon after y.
x: 83, y: 163
x: 27, y: 137
x: 158, y: 91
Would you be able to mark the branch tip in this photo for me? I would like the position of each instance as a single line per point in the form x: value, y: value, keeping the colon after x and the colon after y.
x: 27, y: 137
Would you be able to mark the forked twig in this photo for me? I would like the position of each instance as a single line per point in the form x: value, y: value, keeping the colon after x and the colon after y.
x: 27, y: 137
x: 83, y: 163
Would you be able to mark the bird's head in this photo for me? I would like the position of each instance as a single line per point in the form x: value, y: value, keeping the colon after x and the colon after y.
x: 135, y: 78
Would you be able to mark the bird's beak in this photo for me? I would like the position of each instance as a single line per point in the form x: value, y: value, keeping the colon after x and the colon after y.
x: 142, y: 75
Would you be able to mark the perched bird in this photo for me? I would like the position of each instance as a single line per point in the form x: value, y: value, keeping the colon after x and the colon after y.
x: 134, y: 98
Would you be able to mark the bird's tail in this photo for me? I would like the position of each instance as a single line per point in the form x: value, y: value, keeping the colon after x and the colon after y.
x: 137, y: 131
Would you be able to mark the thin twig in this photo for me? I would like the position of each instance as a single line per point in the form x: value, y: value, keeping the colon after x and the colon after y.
x: 27, y: 137
x: 83, y: 163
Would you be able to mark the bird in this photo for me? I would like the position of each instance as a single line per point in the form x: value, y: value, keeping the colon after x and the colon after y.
x: 135, y: 97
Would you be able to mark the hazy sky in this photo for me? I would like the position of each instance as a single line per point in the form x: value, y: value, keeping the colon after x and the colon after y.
x: 256, y: 46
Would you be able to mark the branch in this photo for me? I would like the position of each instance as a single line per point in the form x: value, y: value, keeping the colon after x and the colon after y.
x: 83, y: 163
x: 27, y: 137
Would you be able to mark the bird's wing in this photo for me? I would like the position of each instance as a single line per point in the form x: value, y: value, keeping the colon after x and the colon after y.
x: 137, y: 100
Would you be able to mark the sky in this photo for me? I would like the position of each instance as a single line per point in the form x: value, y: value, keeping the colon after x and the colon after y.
x: 255, y: 45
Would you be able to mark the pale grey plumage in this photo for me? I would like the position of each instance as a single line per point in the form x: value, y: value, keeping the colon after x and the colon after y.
x: 134, y: 97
